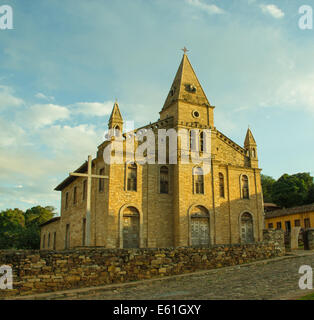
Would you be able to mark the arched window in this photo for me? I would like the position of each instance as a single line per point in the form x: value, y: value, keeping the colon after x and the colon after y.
x: 198, y: 180
x: 202, y: 141
x: 132, y: 177
x: 117, y: 131
x: 245, y: 187
x: 164, y: 180
x: 221, y: 185
x: 253, y: 153
x: 193, y: 146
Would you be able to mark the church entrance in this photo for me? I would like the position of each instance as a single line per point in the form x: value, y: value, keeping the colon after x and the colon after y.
x: 131, y: 228
x: 200, y: 227
x: 247, y: 228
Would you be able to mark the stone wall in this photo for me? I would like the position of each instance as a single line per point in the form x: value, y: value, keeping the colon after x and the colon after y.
x: 47, y: 271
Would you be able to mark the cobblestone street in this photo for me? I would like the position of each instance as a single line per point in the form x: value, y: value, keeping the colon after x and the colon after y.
x: 272, y: 280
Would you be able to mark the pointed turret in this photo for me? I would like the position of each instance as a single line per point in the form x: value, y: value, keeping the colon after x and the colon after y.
x: 116, y: 120
x: 186, y: 100
x: 251, y: 148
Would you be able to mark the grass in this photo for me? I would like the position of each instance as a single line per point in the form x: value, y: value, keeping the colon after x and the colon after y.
x: 308, y: 297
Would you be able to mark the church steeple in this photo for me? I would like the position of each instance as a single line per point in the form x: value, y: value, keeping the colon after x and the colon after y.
x: 115, y: 120
x: 186, y: 86
x: 186, y: 96
x: 251, y: 148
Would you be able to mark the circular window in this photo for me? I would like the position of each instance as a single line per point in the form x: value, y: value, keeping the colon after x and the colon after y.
x: 195, y: 114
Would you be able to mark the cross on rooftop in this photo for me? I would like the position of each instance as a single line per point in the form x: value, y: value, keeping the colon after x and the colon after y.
x: 185, y: 50
x: 89, y: 177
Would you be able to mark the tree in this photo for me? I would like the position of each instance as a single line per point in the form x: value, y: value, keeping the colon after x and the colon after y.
x: 38, y: 215
x: 292, y: 190
x: 267, y: 187
x: 12, y: 222
x: 21, y: 230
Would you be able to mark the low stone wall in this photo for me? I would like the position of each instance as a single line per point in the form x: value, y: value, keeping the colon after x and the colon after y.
x: 47, y: 271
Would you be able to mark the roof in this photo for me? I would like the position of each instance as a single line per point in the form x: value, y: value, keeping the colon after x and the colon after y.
x: 50, y: 221
x: 290, y: 211
x: 115, y: 114
x: 186, y: 86
x: 70, y: 179
x: 249, y: 139
x: 269, y: 204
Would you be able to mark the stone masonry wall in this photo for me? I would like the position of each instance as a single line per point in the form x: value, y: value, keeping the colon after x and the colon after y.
x: 46, y: 271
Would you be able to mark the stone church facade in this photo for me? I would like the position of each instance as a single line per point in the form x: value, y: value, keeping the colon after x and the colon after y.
x: 166, y: 205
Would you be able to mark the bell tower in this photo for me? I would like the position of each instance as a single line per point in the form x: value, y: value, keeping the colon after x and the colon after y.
x: 251, y: 148
x: 186, y: 100
x: 116, y: 120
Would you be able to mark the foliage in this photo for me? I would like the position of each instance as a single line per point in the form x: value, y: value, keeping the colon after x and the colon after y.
x: 267, y: 184
x: 289, y: 190
x: 21, y: 230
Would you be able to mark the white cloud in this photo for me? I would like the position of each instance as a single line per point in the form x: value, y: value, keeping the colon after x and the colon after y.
x: 10, y: 134
x: 296, y: 93
x: 273, y: 10
x: 40, y: 115
x: 67, y: 141
x: 40, y: 95
x: 93, y: 108
x: 7, y: 98
x: 209, y: 8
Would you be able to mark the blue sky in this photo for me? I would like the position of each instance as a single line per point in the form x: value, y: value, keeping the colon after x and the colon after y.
x: 65, y: 62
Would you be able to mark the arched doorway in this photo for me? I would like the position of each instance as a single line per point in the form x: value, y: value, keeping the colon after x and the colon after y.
x: 200, y: 227
x: 131, y: 228
x: 246, y: 228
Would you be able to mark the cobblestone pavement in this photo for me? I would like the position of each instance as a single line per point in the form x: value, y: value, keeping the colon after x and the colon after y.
x: 272, y: 280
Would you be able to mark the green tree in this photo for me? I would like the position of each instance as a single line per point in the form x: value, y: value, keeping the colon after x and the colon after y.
x: 292, y: 190
x: 38, y: 215
x: 12, y: 223
x: 19, y: 230
x: 267, y: 186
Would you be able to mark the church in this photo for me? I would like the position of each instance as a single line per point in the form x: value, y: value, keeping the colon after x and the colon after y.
x: 163, y: 205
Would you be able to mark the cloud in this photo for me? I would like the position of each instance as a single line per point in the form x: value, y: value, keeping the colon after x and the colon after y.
x: 7, y: 98
x: 295, y: 93
x: 40, y: 115
x: 10, y: 134
x: 93, y: 108
x: 40, y: 95
x: 273, y: 10
x: 71, y: 140
x: 209, y: 8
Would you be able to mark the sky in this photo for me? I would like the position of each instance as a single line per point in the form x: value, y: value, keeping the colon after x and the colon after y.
x: 65, y: 62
